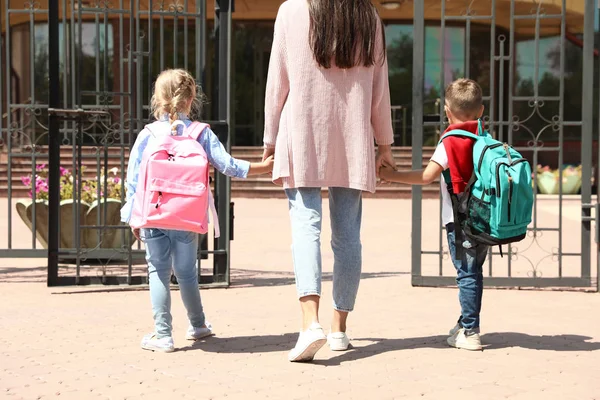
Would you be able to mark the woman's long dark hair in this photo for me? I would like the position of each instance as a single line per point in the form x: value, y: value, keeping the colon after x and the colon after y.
x: 344, y: 31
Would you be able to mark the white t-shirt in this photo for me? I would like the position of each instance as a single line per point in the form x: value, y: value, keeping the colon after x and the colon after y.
x: 440, y: 157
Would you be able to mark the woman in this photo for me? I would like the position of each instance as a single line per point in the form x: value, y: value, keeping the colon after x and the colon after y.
x: 327, y: 102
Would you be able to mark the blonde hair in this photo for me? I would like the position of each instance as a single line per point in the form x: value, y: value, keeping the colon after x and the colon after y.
x: 464, y: 98
x: 175, y: 91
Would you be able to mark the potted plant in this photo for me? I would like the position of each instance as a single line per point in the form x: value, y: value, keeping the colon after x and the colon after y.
x: 548, y: 183
x: 95, y: 207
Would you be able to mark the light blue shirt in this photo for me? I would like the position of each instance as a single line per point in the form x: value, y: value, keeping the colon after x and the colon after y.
x: 216, y: 153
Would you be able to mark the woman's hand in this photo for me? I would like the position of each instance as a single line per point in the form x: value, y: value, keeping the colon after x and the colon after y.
x: 268, y: 152
x: 384, y: 158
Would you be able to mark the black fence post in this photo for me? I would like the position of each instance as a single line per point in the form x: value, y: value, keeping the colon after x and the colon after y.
x: 53, y: 143
x: 222, y: 183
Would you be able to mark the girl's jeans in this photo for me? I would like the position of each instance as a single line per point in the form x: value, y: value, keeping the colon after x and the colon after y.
x: 469, y: 278
x: 166, y: 249
x: 345, y: 206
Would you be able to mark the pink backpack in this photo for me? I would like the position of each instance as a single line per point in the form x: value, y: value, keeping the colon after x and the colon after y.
x: 173, y: 190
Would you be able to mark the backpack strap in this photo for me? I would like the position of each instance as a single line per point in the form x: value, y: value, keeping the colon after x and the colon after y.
x: 195, y: 129
x: 193, y: 132
x: 480, y: 130
x: 459, y: 133
x: 213, y: 213
x: 458, y: 203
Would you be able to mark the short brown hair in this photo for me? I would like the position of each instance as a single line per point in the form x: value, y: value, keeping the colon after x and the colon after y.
x: 464, y: 98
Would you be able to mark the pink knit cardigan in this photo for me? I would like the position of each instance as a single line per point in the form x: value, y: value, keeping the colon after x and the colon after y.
x: 322, y: 122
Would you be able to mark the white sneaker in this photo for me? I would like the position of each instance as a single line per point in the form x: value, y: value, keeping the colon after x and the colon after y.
x: 455, y: 329
x: 338, y: 341
x: 199, y: 333
x: 151, y: 342
x: 309, y: 342
x: 468, y: 340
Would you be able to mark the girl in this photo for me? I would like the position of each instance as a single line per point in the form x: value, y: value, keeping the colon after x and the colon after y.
x: 327, y: 102
x: 175, y: 97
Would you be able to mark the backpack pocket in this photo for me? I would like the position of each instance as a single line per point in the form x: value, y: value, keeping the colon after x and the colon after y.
x: 176, y: 188
x: 177, y: 205
x: 517, y: 195
x: 479, y: 215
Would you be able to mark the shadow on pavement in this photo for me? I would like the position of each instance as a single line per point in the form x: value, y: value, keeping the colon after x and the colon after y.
x: 23, y: 274
x: 492, y: 341
x: 244, y: 344
x: 563, y: 342
x: 255, y: 278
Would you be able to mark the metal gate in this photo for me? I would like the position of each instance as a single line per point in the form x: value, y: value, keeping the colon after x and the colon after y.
x: 535, y: 60
x: 90, y: 67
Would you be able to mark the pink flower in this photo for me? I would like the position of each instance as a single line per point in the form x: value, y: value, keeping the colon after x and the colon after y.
x: 26, y: 180
x: 117, y: 180
x: 63, y: 171
x: 41, y: 185
x: 40, y: 167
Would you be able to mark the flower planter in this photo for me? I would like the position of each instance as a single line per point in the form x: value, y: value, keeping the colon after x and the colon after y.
x: 88, y: 215
x: 99, y: 205
x: 548, y: 183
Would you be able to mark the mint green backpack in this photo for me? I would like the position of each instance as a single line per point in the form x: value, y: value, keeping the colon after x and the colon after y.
x: 496, y: 206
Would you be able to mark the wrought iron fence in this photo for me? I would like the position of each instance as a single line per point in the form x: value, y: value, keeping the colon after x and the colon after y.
x: 539, y: 96
x: 96, y: 60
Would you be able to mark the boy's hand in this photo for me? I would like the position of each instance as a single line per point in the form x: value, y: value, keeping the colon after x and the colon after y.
x: 386, y: 174
x: 136, y: 233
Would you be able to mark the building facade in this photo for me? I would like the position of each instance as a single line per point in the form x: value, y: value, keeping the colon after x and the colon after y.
x: 458, y: 48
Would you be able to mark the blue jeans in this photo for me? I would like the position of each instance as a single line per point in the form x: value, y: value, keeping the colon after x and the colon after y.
x: 177, y: 250
x: 469, y: 278
x: 345, y: 206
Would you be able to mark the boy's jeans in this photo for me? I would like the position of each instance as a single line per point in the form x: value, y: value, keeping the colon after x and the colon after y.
x: 469, y: 277
x: 345, y: 207
x: 166, y: 249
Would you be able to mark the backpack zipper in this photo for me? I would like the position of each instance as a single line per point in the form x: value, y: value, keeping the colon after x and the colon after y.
x: 506, y: 148
x: 520, y: 160
x: 510, y: 193
x: 486, y: 148
x: 158, y: 201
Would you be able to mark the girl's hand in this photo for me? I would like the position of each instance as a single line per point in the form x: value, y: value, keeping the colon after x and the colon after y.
x: 386, y: 174
x: 268, y: 163
x: 263, y: 167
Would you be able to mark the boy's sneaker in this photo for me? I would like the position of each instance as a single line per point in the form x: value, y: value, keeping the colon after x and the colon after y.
x: 338, y: 341
x: 151, y: 342
x: 309, y: 342
x: 199, y: 333
x: 463, y: 339
x: 455, y: 329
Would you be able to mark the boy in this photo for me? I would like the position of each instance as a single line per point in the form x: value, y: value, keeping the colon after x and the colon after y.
x: 463, y: 107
